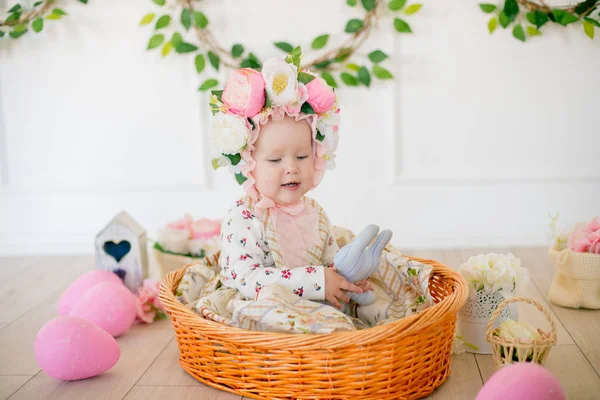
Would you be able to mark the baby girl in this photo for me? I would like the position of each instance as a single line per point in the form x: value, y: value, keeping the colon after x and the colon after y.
x: 277, y: 130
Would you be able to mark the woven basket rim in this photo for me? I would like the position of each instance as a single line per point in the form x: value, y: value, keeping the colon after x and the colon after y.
x: 447, y: 308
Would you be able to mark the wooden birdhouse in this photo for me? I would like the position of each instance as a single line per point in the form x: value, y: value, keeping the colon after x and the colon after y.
x: 121, y: 248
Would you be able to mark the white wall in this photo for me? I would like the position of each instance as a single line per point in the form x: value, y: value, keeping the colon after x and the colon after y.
x: 477, y: 140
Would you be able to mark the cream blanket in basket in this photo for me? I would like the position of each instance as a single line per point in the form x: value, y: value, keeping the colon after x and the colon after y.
x: 400, y: 284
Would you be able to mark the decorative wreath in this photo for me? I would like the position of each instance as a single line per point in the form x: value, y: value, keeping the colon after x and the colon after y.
x: 539, y: 14
x: 327, y: 62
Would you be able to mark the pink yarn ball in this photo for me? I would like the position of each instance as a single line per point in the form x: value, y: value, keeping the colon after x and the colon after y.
x: 82, y: 284
x: 70, y: 348
x: 522, y: 381
x: 110, y: 306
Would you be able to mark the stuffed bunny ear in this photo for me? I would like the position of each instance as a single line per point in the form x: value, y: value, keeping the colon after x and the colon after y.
x: 360, y: 243
x: 379, y: 244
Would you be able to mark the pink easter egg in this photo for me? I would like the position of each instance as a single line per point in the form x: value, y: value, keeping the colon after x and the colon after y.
x: 71, y: 348
x: 80, y: 285
x: 109, y: 305
x: 522, y: 381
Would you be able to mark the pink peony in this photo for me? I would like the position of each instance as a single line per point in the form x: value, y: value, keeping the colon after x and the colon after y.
x: 205, y: 228
x: 183, y: 224
x: 586, y: 239
x: 148, y: 306
x: 320, y: 95
x: 244, y: 92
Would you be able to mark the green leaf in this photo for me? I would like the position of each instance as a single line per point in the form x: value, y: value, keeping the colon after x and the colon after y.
x: 305, y: 78
x: 185, y: 47
x: 37, y: 3
x: 14, y: 8
x: 167, y: 48
x: 219, y: 95
x: 240, y: 178
x: 159, y: 2
x: 382, y: 73
x: 351, y: 3
x: 19, y: 28
x: 200, y: 19
x: 284, y: 46
x: 146, y: 19
x: 252, y: 122
x: 413, y: 9
x: 396, y: 5
x: 323, y: 64
x: 320, y: 136
x: 368, y: 4
x: 237, y: 50
x: 83, y: 1
x: 234, y: 158
x: 487, y: 8
x: 354, y: 25
x: 59, y: 11
x: 511, y: 9
x: 295, y: 57
x: 155, y: 41
x: 402, y: 26
x: 250, y: 63
x: 588, y: 28
x: 592, y: 21
x: 208, y: 84
x: 584, y: 6
x: 14, y: 16
x: 186, y: 18
x: 343, y: 54
x: 37, y: 24
x: 537, y: 18
x: 353, y: 67
x: 163, y: 21
x: 16, y: 35
x: 532, y: 31
x: 348, y: 79
x: 329, y: 79
x: 53, y: 16
x: 320, y: 42
x: 492, y: 25
x: 377, y: 56
x: 364, y: 76
x: 1, y: 34
x: 519, y: 33
x: 307, y: 109
x: 176, y: 39
x: 563, y: 17
x: 214, y: 60
x: 504, y: 20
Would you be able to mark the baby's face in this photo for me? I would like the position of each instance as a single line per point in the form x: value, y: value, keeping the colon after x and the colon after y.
x: 284, y: 161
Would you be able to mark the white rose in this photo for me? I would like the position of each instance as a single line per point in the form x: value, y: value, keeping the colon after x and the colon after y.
x: 281, y: 81
x: 229, y: 133
x: 174, y: 240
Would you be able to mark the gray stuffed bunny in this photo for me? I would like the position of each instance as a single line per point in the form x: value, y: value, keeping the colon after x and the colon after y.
x: 358, y: 260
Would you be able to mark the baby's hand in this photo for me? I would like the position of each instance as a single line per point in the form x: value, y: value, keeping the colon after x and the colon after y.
x: 365, y: 285
x: 335, y: 284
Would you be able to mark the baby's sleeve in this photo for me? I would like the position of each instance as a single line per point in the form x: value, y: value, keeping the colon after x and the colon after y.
x: 242, y: 260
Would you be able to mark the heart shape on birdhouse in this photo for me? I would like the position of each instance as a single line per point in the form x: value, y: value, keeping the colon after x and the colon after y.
x: 117, y: 251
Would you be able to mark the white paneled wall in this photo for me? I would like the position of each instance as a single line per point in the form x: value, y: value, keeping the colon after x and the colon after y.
x: 476, y: 141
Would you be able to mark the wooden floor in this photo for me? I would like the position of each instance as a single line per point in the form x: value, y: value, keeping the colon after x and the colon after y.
x: 148, y: 367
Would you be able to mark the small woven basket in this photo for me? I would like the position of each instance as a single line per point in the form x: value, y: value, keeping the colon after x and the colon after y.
x: 509, y: 351
x: 405, y: 359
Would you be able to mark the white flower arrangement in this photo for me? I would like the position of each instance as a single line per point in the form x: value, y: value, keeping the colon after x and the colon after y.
x: 494, y: 272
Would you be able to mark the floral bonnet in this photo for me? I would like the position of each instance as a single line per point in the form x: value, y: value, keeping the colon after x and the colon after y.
x: 251, y: 97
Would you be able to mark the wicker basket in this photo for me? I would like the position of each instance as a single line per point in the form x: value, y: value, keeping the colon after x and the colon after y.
x: 405, y: 359
x: 509, y: 351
